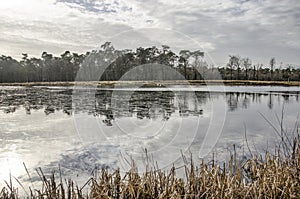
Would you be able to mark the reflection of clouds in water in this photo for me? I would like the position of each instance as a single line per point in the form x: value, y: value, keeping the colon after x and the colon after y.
x: 167, y: 130
x: 10, y: 164
x: 46, y: 140
x: 86, y: 159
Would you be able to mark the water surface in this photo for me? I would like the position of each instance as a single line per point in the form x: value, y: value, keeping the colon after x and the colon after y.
x: 83, y: 128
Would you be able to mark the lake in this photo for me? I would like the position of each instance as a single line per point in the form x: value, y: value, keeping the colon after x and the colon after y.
x: 80, y: 129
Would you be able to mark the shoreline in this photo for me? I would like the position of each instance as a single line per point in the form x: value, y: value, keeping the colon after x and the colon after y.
x: 159, y: 82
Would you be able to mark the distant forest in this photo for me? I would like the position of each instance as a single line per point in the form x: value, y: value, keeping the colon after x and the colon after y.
x: 109, y: 64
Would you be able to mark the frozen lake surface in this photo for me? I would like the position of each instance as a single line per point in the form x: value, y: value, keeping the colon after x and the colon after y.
x: 83, y: 128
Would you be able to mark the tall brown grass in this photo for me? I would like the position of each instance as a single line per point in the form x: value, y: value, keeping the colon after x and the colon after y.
x: 270, y: 176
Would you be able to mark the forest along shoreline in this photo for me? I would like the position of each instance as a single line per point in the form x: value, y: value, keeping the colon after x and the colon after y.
x: 159, y: 82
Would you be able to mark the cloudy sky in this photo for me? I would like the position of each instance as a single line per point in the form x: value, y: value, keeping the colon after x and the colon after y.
x: 258, y: 29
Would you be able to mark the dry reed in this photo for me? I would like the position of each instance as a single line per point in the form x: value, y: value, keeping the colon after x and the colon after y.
x: 271, y: 176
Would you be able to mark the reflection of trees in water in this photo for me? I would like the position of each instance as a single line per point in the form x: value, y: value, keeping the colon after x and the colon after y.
x: 108, y: 103
x: 246, y: 101
x: 148, y: 104
x: 237, y: 101
x: 270, y: 102
x: 190, y: 103
x: 232, y: 101
x: 152, y: 104
x: 35, y: 99
x: 286, y: 98
x: 139, y: 104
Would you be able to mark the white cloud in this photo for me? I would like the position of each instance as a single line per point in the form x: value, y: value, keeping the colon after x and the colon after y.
x: 259, y: 29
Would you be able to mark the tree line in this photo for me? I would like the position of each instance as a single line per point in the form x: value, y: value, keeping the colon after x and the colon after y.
x: 109, y: 63
x: 239, y: 68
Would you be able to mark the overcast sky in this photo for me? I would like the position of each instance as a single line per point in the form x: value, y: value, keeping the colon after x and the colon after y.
x: 258, y: 29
